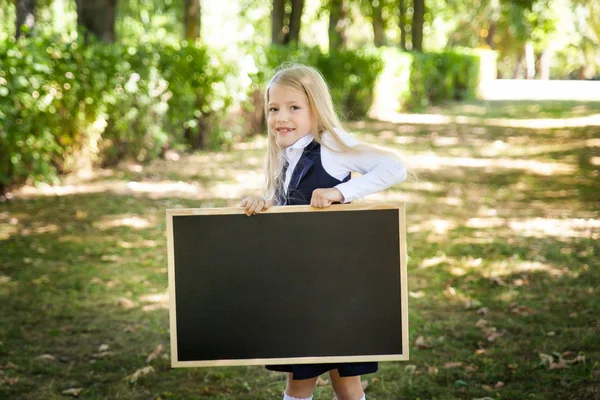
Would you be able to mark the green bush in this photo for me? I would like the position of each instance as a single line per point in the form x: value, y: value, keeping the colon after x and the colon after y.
x: 350, y: 75
x: 61, y: 102
x: 437, y: 77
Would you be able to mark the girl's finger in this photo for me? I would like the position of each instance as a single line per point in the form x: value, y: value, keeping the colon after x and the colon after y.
x: 251, y: 207
x: 244, y: 202
x: 259, y: 207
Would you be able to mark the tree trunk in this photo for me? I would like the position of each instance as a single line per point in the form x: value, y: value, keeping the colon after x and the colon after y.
x: 529, y: 61
x: 98, y: 18
x: 417, y: 25
x: 293, y: 35
x: 338, y: 10
x: 402, y: 24
x: 193, y: 19
x: 489, y: 40
x: 25, y: 16
x: 277, y: 17
x: 378, y: 25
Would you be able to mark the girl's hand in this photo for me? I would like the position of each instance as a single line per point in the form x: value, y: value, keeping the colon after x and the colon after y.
x: 255, y: 204
x: 322, y: 198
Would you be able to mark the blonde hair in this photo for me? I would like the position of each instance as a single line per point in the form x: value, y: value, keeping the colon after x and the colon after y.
x: 309, y: 81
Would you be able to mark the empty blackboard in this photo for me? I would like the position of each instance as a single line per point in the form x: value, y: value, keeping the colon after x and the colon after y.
x: 291, y: 285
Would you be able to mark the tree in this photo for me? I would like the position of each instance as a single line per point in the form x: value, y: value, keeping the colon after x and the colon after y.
x: 285, y: 28
x: 338, y: 20
x: 193, y: 19
x: 417, y: 25
x: 25, y: 16
x: 378, y: 23
x: 97, y: 17
x: 402, y: 23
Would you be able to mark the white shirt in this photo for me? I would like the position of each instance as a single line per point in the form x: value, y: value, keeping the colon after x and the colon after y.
x: 379, y: 170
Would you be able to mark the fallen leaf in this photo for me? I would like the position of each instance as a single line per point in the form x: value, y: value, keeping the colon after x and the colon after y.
x: 10, y: 381
x: 481, y: 323
x: 432, y: 370
x: 450, y: 291
x: 103, y: 354
x: 155, y: 353
x: 471, y: 368
x: 48, y: 357
x: 139, y: 373
x: 410, y: 368
x: 483, y: 311
x: 364, y: 385
x: 73, y: 391
x: 473, y: 303
x: 497, y: 281
x: 10, y: 365
x: 499, y: 385
x: 374, y: 380
x: 487, y: 388
x: 421, y: 343
x: 125, y: 303
x: 522, y: 310
x: 453, y: 364
x: 103, y: 347
x: 492, y: 334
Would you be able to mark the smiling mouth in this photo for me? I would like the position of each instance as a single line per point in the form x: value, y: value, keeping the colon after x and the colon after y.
x: 283, y: 131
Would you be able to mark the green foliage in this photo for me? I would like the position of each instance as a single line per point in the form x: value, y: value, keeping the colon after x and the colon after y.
x: 350, y: 75
x: 416, y: 80
x: 61, y: 99
x: 436, y: 77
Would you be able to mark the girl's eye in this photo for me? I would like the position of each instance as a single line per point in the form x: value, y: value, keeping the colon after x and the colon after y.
x: 294, y: 108
x: 272, y: 109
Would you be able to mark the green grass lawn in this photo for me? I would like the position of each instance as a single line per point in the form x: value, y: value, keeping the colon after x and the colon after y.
x: 504, y: 270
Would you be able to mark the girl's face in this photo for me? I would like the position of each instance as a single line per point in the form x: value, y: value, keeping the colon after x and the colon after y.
x: 289, y: 116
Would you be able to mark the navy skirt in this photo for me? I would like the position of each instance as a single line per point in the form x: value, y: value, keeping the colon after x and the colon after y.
x: 307, y: 371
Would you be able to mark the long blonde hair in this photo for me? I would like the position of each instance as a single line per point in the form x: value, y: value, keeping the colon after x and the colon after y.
x: 309, y: 81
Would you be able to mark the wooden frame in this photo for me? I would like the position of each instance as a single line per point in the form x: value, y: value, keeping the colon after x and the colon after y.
x: 175, y: 362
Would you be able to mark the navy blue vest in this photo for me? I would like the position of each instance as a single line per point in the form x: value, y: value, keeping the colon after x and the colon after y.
x: 308, y: 175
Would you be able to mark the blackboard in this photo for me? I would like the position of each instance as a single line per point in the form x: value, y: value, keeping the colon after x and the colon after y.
x: 291, y: 285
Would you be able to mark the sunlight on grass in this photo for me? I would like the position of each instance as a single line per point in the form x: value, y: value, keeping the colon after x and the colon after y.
x: 563, y: 228
x: 132, y: 221
x: 436, y: 163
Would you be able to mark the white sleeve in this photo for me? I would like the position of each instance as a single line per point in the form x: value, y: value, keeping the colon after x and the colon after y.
x: 379, y: 170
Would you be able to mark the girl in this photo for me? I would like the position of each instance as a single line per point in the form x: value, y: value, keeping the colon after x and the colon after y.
x: 309, y: 161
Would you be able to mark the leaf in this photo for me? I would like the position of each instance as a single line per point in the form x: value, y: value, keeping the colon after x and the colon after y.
x: 453, y: 364
x: 421, y: 343
x: 482, y: 323
x: 125, y: 303
x: 364, y: 385
x: 103, y: 347
x: 48, y: 357
x: 155, y: 353
x: 483, y: 311
x: 432, y: 370
x: 133, y: 378
x: 73, y: 391
x: 410, y: 368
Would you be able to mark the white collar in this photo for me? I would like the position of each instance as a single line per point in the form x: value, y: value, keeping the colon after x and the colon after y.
x: 301, y: 143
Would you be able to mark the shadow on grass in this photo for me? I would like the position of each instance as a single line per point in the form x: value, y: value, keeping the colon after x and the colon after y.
x: 503, y: 244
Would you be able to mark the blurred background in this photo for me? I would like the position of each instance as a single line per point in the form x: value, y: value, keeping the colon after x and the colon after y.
x: 86, y: 83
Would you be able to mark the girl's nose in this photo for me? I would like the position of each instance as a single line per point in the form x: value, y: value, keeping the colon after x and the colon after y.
x: 282, y: 116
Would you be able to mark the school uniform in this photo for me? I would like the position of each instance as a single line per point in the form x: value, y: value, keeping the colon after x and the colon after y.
x: 310, y: 166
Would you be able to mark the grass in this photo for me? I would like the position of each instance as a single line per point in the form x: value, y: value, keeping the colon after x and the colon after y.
x: 504, y: 270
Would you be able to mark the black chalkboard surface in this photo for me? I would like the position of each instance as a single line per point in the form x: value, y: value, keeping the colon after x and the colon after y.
x: 291, y: 285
